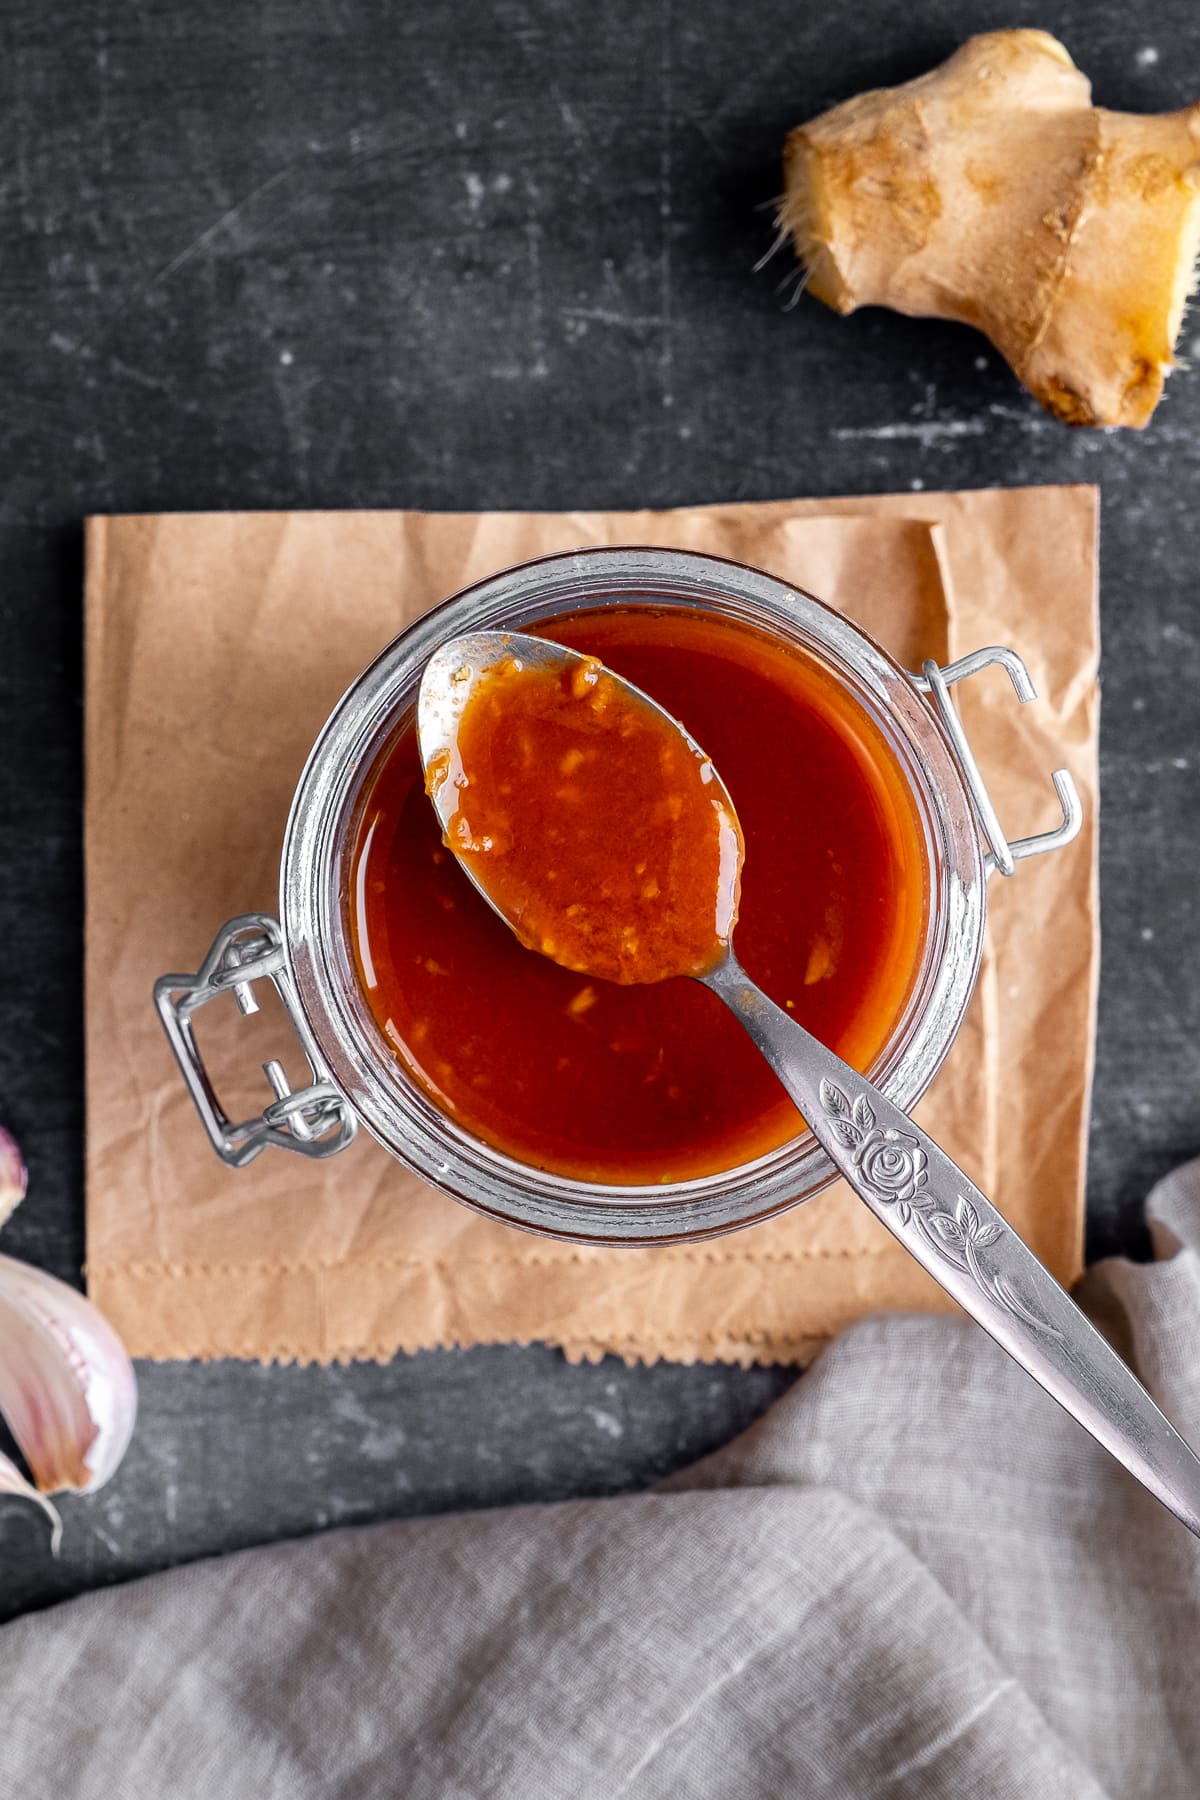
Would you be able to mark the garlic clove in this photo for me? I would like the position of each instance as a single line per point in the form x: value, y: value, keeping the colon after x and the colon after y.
x: 67, y: 1388
x: 12, y: 1176
x: 12, y: 1482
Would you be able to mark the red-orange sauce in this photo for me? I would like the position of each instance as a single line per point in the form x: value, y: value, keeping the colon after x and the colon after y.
x: 656, y: 1083
x: 593, y: 824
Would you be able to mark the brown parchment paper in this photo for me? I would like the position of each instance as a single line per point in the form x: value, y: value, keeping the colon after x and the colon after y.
x: 217, y: 644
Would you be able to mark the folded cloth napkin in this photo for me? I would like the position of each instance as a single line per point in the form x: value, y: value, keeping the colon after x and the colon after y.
x: 914, y: 1576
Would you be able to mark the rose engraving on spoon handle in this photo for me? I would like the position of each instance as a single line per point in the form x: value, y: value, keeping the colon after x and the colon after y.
x: 892, y: 1166
x: 957, y: 1235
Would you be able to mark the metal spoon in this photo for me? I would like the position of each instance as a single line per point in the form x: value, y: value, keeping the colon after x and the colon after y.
x: 923, y: 1198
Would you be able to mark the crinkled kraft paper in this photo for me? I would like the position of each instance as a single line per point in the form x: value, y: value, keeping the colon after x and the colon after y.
x: 217, y: 645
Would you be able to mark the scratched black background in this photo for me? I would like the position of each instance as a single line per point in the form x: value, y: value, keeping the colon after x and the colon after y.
x: 336, y: 253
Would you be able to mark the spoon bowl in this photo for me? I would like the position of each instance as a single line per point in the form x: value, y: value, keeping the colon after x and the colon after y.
x: 541, y: 791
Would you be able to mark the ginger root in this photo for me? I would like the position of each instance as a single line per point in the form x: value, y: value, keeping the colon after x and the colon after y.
x: 993, y: 192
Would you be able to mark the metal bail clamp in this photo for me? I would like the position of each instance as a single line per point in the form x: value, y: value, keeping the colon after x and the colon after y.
x: 315, y: 1120
x: 1001, y: 854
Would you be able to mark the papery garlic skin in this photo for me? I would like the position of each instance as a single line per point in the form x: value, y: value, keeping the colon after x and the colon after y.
x: 67, y: 1387
x: 13, y: 1178
x: 16, y: 1485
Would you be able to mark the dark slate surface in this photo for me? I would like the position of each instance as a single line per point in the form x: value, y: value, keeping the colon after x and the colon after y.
x: 342, y: 253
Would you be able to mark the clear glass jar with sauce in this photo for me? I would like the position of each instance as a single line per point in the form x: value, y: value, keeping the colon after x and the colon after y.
x: 319, y: 955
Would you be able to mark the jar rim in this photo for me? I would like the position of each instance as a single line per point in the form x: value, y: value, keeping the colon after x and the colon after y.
x: 312, y: 893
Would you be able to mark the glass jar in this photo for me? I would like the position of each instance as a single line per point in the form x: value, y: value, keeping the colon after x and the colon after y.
x: 308, y: 957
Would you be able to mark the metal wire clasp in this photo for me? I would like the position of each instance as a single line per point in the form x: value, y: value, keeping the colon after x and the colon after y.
x: 315, y: 1120
x: 1001, y: 854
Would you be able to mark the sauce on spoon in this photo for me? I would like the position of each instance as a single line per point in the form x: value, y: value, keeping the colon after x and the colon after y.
x: 592, y: 822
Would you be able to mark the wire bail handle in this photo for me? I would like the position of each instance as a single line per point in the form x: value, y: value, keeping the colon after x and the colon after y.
x: 1002, y: 855
x: 315, y: 1120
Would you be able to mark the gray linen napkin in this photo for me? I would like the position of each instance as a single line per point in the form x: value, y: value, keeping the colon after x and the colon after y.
x: 913, y: 1577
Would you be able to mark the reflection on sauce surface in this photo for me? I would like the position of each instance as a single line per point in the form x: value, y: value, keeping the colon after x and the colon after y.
x: 593, y: 824
x: 645, y: 1084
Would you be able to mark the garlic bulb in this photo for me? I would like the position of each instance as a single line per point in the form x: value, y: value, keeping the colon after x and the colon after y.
x: 67, y: 1388
x: 12, y: 1176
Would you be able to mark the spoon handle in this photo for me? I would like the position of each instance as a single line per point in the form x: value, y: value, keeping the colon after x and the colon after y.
x: 941, y: 1217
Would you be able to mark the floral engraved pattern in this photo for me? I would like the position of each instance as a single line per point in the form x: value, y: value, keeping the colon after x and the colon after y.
x: 892, y: 1167
x: 891, y: 1164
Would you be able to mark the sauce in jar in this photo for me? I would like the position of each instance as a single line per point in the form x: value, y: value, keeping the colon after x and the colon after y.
x: 642, y: 1084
